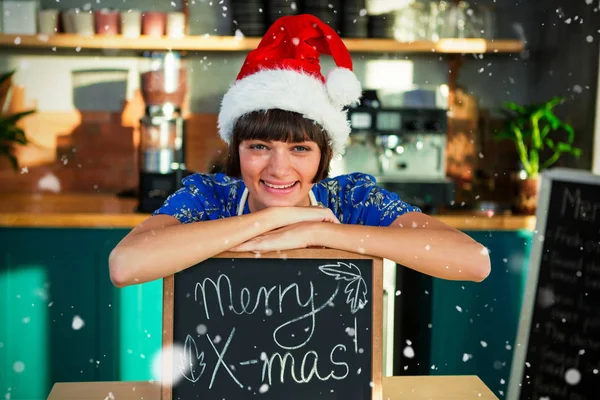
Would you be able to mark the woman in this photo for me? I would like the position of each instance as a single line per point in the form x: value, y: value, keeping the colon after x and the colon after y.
x: 284, y: 122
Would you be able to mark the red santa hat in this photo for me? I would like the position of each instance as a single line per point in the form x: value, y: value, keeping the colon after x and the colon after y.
x: 283, y: 72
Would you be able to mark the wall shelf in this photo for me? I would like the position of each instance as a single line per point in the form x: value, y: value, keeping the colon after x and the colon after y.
x: 231, y: 44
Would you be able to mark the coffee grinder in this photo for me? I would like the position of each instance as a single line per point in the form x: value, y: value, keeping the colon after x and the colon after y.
x: 162, y: 136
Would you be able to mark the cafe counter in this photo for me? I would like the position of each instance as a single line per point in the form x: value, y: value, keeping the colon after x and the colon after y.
x: 109, y: 211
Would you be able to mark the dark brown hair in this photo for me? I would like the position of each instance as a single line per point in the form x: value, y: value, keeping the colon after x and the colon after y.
x: 278, y: 125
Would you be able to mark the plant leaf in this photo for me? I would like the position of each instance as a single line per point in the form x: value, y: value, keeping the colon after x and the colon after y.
x: 14, y: 118
x: 515, y: 107
x: 192, y: 363
x: 7, y: 152
x: 6, y: 76
x: 570, y: 131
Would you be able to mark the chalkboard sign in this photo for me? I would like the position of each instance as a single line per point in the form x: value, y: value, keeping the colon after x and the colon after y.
x: 557, y: 354
x: 304, y: 325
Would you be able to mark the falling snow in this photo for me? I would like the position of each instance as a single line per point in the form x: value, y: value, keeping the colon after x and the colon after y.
x: 572, y: 376
x: 408, y: 352
x: 78, y: 323
x: 19, y: 367
x: 110, y: 396
x: 263, y: 388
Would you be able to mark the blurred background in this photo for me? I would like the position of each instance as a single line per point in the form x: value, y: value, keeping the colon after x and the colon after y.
x: 107, y: 104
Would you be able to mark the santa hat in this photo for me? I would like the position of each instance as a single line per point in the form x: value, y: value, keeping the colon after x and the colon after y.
x: 284, y: 72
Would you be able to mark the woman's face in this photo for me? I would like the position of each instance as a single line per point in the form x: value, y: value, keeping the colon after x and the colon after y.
x: 278, y: 173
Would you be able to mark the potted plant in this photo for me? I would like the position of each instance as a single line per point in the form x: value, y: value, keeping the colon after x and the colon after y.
x: 541, y: 138
x: 10, y: 133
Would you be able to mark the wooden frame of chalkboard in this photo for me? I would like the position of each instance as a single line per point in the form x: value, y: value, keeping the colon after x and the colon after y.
x: 376, y: 309
x: 560, y: 314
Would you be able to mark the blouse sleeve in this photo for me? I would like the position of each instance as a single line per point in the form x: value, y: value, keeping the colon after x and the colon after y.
x: 190, y: 202
x: 374, y: 205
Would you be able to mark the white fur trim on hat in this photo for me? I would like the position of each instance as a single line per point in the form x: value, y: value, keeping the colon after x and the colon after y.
x: 288, y: 90
x: 343, y: 87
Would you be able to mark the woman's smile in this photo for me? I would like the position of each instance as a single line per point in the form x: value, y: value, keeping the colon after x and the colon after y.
x: 280, y: 188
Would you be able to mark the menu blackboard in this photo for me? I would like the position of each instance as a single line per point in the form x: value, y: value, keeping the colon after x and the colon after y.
x: 300, y: 325
x: 557, y: 354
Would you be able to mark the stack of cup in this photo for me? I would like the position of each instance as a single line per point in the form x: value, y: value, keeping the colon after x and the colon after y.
x: 175, y: 24
x: 131, y: 23
x: 48, y: 21
x: 106, y: 22
x: 83, y: 22
x: 153, y: 23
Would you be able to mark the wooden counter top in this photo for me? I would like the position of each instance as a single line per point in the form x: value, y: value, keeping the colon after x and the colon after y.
x: 109, y: 211
x: 394, y: 388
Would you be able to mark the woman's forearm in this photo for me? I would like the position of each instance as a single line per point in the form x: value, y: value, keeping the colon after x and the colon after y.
x: 164, y: 250
x: 439, y: 252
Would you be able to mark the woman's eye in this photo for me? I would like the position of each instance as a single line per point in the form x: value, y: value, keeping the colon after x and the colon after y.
x: 302, y: 148
x: 258, y: 146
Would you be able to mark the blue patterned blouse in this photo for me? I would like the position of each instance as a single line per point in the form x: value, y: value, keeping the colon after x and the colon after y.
x: 353, y: 198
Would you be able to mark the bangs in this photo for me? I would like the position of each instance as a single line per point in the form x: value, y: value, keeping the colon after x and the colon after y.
x: 278, y: 126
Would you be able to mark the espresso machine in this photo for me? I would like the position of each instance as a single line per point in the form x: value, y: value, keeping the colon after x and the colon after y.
x: 162, y: 132
x: 404, y: 148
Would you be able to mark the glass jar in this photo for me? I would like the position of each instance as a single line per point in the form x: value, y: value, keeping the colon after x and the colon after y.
x: 163, y: 79
x: 161, y: 137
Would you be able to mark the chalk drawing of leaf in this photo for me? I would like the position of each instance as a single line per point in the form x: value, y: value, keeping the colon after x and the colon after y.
x: 192, y: 363
x: 347, y: 272
x: 357, y: 294
x: 356, y: 289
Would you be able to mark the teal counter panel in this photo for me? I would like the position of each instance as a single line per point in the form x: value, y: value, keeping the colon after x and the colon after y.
x: 141, y: 331
x: 58, y: 309
x: 475, y: 324
x: 48, y: 277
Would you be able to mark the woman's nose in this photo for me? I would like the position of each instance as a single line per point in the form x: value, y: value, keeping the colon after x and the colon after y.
x: 279, y: 164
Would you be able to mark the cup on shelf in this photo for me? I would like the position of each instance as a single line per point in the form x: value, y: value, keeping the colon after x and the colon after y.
x: 48, y: 21
x: 83, y: 23
x: 175, y: 24
x: 68, y: 20
x: 153, y: 23
x: 106, y: 22
x: 131, y: 23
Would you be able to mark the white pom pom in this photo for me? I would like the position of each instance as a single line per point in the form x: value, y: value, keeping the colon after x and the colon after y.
x: 343, y: 87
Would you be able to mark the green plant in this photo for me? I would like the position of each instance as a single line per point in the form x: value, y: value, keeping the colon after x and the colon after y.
x: 10, y: 133
x: 530, y: 128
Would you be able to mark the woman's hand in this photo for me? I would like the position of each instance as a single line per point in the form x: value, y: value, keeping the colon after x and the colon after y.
x: 296, y: 236
x: 293, y: 215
